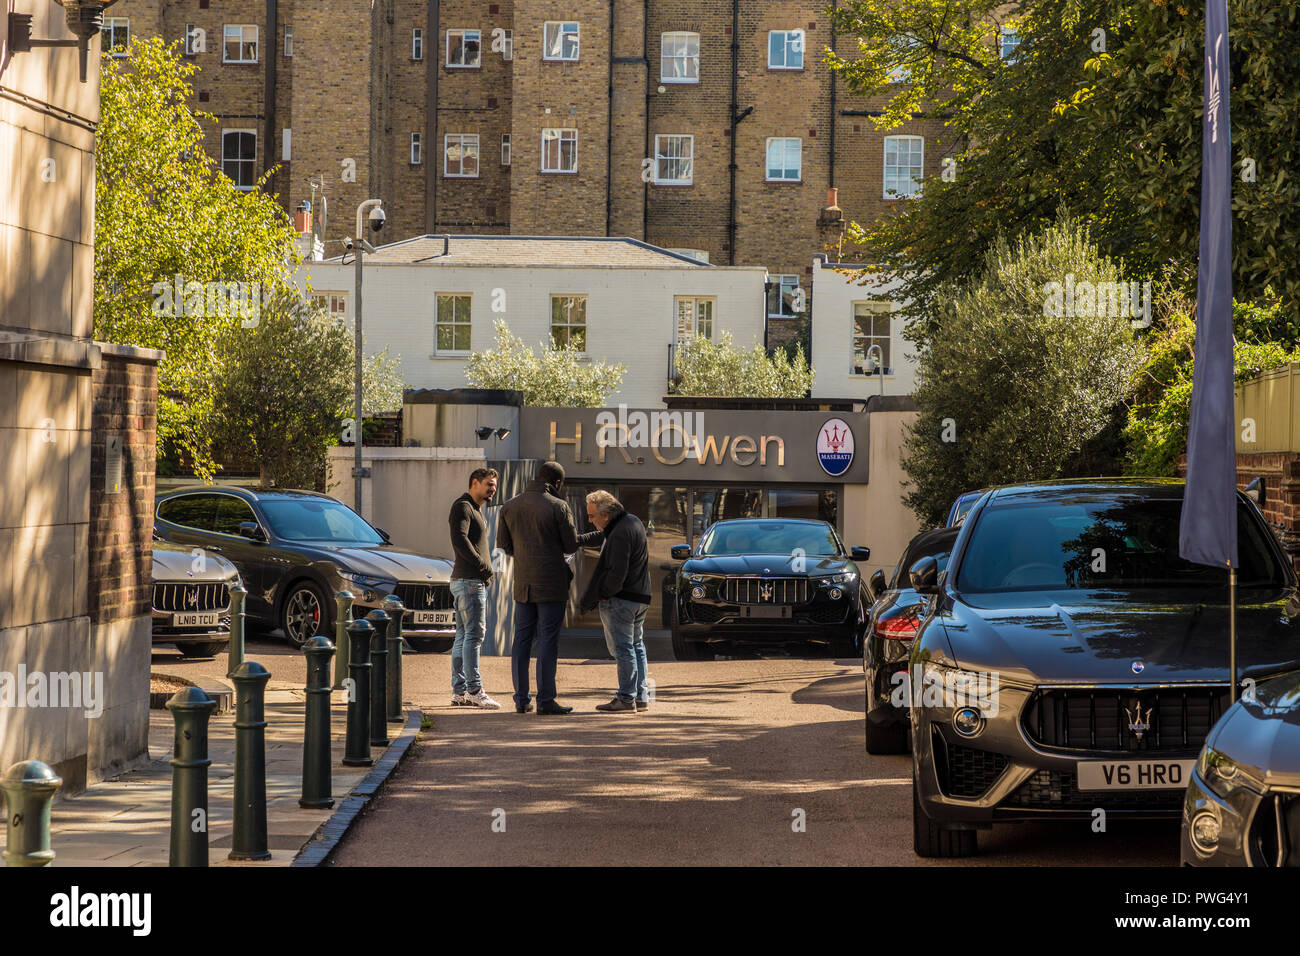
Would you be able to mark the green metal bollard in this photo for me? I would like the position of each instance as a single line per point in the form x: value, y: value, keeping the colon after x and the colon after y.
x: 235, y: 655
x: 190, y: 708
x: 380, y: 620
x: 395, y: 611
x: 29, y: 787
x: 357, y: 751
x: 342, y: 619
x: 249, y: 841
x: 316, y: 737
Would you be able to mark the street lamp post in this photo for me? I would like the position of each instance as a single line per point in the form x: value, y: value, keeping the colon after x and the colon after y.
x: 377, y: 219
x: 880, y: 365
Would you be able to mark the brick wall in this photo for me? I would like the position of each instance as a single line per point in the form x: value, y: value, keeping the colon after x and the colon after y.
x: 1281, y: 507
x: 124, y: 403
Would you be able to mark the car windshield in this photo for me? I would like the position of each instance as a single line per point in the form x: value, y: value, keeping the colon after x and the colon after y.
x: 317, y: 519
x: 770, y: 537
x: 1115, y: 542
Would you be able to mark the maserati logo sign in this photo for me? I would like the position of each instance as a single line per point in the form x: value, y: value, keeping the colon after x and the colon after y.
x: 192, y: 597
x: 430, y: 597
x: 1216, y: 99
x: 1138, y: 722
x: 835, y: 447
x: 1138, y: 667
x: 765, y: 591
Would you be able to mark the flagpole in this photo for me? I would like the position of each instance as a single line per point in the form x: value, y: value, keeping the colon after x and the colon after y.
x: 1232, y: 635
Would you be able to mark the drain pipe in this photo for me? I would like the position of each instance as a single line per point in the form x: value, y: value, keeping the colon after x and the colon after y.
x: 429, y: 150
x: 609, y: 126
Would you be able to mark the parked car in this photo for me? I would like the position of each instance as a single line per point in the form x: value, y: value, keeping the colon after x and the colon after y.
x: 296, y: 549
x: 191, y: 599
x: 1242, y: 806
x: 892, y: 625
x: 962, y: 506
x: 768, y: 582
x: 1073, y: 661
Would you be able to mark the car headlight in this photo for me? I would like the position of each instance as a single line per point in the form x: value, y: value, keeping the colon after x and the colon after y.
x: 1222, y: 775
x: 949, y: 690
x: 367, y: 587
x: 848, y: 577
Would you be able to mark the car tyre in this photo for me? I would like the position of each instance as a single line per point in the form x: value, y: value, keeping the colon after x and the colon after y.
x: 204, y: 649
x: 306, y: 602
x: 885, y: 740
x: 933, y: 840
x: 431, y: 645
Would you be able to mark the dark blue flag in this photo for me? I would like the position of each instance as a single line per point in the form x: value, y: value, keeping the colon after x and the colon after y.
x: 1208, y: 533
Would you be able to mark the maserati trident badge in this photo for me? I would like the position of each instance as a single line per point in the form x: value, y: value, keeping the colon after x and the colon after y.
x: 1139, y: 723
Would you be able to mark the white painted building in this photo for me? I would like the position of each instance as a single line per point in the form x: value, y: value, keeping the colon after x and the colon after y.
x: 848, y: 319
x: 433, y: 300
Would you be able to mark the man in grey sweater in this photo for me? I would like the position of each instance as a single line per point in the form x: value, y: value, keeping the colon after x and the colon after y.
x: 469, y: 580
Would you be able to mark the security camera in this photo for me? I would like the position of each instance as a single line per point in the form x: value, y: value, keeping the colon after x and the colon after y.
x: 347, y: 242
x: 377, y: 219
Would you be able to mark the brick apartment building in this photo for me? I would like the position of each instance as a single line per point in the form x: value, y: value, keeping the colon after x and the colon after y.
x: 551, y: 117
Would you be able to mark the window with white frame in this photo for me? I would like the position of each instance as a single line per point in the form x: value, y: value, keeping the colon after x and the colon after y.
x: 560, y: 40
x: 417, y: 44
x: 417, y: 151
x: 452, y: 332
x: 694, y: 318
x: 559, y: 150
x: 569, y: 321
x: 239, y: 43
x: 904, y: 161
x: 460, y: 155
x: 464, y: 48
x: 239, y: 156
x: 872, y: 338
x: 288, y: 40
x: 784, y: 160
x: 192, y: 33
x: 679, y: 58
x: 1010, y: 40
x: 674, y: 160
x: 335, y: 304
x: 787, y: 298
x: 785, y: 49
x: 505, y: 149
x: 507, y: 44
x: 115, y: 35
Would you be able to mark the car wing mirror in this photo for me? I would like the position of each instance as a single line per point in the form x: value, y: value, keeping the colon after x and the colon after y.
x: 252, y: 531
x: 878, y: 584
x: 861, y: 554
x: 681, y: 552
x: 924, y: 576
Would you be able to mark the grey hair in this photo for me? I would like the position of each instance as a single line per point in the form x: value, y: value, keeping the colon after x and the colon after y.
x: 605, y: 503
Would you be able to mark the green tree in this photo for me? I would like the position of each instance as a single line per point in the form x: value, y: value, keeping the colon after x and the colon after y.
x: 705, y: 367
x: 282, y: 414
x: 163, y: 209
x: 1009, y: 391
x: 552, y: 376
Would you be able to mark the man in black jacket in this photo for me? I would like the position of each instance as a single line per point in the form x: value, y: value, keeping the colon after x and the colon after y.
x: 536, y: 529
x: 620, y: 587
x: 469, y: 581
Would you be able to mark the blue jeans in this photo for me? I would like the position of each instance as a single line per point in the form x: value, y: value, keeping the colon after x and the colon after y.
x: 540, y: 622
x: 470, y: 596
x: 625, y: 628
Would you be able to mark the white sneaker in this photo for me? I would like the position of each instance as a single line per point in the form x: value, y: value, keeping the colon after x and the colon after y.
x: 458, y: 700
x: 481, y: 699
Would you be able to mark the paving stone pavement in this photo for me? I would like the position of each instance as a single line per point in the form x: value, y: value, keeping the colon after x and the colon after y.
x: 125, y: 821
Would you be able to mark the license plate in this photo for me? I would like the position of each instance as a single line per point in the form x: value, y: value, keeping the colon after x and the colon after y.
x: 195, y: 619
x: 435, y: 617
x: 761, y: 610
x: 1135, y: 774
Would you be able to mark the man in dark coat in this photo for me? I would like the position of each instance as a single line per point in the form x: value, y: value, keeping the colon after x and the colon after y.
x: 536, y: 529
x: 470, y: 578
x: 620, y: 587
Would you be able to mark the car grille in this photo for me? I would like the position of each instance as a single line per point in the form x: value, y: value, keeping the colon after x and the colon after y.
x: 1276, y: 825
x: 708, y: 613
x: 1098, y: 719
x: 826, y: 613
x: 971, y: 772
x: 191, y: 597
x: 765, y: 590
x: 1058, y: 790
x: 425, y: 597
